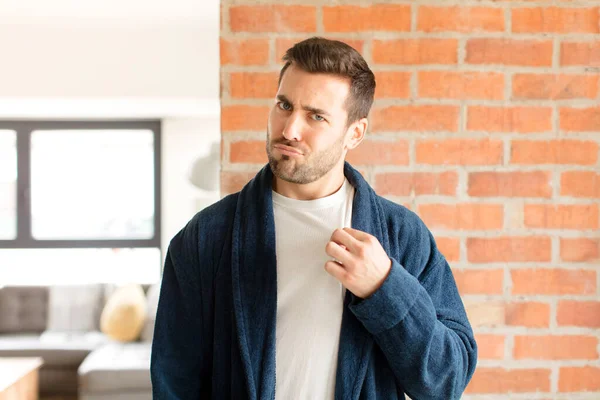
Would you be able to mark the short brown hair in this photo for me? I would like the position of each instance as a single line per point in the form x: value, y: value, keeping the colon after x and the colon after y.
x: 320, y: 55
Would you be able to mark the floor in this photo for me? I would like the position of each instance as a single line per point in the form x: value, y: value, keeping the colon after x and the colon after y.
x: 59, y: 398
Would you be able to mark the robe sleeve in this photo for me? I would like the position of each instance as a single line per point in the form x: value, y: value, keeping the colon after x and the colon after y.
x: 421, y: 326
x: 179, y: 360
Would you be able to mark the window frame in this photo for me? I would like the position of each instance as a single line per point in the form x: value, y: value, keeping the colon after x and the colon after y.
x: 24, y: 238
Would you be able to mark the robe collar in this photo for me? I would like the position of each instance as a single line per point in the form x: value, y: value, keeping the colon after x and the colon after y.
x: 254, y: 285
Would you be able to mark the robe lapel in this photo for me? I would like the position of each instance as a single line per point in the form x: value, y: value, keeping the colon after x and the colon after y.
x: 356, y: 343
x: 254, y: 284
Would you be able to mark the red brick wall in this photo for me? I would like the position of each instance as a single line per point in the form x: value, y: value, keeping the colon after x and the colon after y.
x: 487, y: 124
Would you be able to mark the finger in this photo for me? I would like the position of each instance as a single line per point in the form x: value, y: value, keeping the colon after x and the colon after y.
x: 358, y: 235
x: 336, y: 251
x: 344, y: 238
x: 336, y: 270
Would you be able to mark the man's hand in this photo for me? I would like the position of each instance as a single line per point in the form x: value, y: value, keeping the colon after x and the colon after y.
x: 363, y: 264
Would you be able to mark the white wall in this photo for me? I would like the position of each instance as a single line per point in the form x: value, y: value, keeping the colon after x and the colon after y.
x: 67, y: 59
x: 107, y: 59
x: 185, y: 142
x: 109, y: 49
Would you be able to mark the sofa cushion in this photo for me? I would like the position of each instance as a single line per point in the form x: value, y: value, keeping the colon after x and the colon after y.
x: 23, y: 309
x: 75, y: 308
x: 66, y: 350
x: 86, y: 340
x: 116, y: 366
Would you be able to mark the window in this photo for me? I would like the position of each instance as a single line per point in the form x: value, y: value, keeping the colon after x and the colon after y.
x: 8, y: 184
x: 79, y: 201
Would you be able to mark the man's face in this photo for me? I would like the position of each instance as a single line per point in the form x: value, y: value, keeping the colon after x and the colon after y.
x: 307, y: 126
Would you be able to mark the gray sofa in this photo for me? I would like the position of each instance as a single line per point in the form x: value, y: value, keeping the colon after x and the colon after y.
x: 61, y: 325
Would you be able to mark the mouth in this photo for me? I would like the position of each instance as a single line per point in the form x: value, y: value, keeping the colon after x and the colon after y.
x: 287, y: 150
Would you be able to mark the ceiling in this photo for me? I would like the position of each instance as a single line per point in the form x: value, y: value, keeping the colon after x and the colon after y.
x: 18, y: 11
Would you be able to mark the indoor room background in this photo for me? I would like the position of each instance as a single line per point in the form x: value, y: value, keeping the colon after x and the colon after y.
x: 486, y: 123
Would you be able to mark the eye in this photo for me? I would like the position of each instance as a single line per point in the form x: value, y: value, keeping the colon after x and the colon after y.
x: 317, y: 117
x: 284, y: 105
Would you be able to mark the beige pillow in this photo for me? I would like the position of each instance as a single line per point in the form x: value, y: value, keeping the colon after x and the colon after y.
x: 124, y: 314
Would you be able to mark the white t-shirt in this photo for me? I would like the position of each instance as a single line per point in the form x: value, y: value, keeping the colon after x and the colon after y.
x: 309, y: 300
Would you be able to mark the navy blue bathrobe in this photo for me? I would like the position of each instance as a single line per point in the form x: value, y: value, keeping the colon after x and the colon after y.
x: 214, y: 336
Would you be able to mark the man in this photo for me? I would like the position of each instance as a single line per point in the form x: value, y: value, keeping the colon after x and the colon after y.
x: 306, y: 284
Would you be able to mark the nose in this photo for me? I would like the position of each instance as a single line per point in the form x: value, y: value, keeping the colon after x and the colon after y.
x: 293, y: 128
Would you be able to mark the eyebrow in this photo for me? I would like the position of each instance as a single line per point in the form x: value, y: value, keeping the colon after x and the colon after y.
x: 315, y: 110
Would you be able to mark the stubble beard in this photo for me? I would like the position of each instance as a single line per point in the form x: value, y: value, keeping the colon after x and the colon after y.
x: 315, y: 165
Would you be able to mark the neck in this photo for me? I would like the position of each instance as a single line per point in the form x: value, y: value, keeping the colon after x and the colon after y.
x: 327, y: 185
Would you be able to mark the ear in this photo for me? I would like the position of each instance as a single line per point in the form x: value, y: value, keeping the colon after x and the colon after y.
x: 356, y: 133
